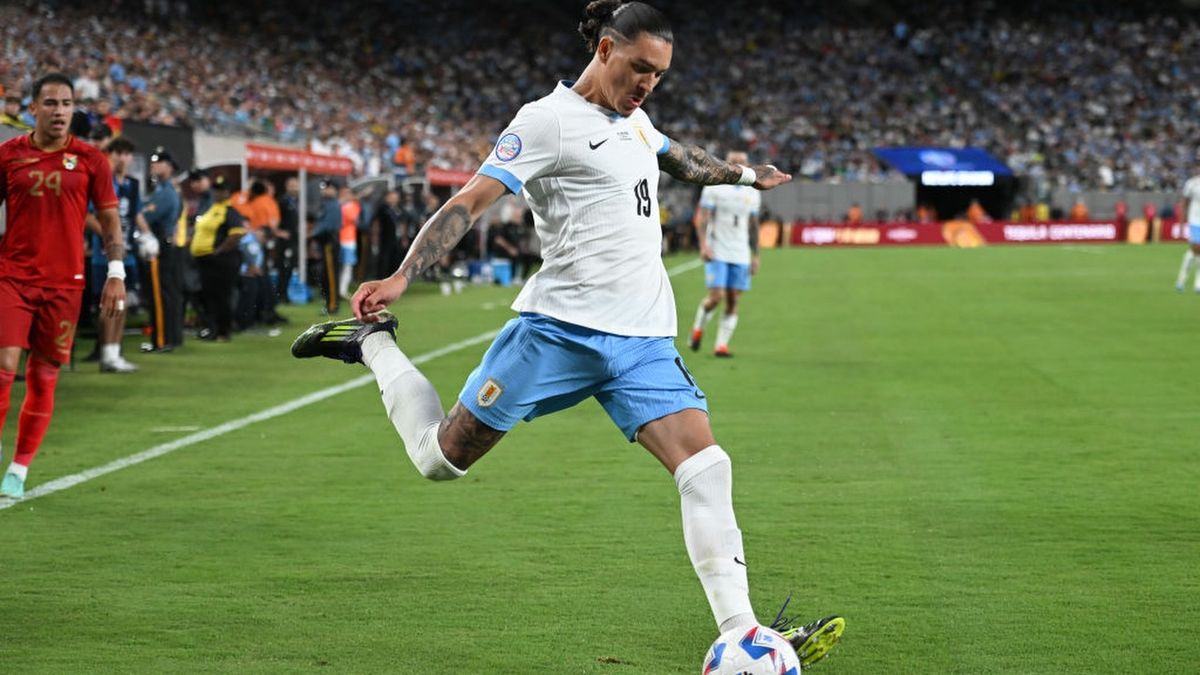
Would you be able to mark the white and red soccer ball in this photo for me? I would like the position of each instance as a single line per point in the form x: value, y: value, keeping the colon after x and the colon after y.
x: 754, y: 650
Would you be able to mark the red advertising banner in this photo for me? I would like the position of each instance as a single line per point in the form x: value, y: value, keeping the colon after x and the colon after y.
x: 1049, y: 233
x: 960, y: 233
x: 289, y: 159
x: 1171, y: 230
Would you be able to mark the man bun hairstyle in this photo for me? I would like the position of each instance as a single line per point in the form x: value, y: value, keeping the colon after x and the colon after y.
x: 623, y: 20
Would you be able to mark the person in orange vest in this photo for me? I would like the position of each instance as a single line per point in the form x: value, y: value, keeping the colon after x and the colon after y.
x: 976, y: 214
x: 404, y: 160
x: 1079, y: 211
x: 855, y: 215
x: 348, y: 238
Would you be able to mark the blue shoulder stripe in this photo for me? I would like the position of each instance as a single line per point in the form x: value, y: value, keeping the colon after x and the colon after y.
x: 510, y: 181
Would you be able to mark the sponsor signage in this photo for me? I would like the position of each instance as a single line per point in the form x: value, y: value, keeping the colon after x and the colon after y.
x: 960, y: 233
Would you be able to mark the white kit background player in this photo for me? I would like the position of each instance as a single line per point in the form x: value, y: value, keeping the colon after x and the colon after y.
x: 727, y: 230
x: 1191, y: 257
x: 598, y: 320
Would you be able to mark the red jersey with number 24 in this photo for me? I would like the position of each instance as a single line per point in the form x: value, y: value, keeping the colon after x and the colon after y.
x: 47, y: 195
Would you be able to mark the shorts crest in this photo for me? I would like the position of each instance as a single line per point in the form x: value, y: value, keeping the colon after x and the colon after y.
x: 488, y: 393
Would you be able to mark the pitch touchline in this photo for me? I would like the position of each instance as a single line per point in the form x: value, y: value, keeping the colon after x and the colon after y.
x: 66, y: 482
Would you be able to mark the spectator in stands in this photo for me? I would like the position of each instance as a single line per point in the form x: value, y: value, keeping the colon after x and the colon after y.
x: 12, y: 114
x: 215, y: 249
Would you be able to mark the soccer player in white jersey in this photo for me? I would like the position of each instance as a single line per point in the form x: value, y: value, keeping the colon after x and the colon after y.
x: 1191, y: 257
x: 598, y: 320
x: 727, y: 229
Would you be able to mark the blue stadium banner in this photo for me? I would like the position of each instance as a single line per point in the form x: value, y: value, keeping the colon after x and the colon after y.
x: 945, y: 167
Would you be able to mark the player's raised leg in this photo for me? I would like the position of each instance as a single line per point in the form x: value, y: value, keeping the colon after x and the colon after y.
x: 412, y: 403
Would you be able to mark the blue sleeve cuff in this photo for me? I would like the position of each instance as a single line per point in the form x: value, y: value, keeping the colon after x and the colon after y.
x: 665, y: 146
x: 707, y: 203
x: 510, y: 181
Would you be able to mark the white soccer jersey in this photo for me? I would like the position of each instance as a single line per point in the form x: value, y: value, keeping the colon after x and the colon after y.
x: 590, y: 177
x: 1191, y: 192
x: 728, y: 230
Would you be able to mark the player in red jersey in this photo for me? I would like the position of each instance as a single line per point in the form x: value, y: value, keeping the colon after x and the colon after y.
x: 47, y: 179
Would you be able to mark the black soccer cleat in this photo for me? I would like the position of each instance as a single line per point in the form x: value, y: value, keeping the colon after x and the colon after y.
x: 812, y: 641
x: 341, y: 340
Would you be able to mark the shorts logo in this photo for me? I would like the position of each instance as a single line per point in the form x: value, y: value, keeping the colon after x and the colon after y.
x: 508, y: 147
x: 488, y: 393
x: 70, y: 162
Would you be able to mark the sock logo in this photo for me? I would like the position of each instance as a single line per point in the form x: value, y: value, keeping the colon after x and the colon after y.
x: 488, y: 393
x: 740, y: 562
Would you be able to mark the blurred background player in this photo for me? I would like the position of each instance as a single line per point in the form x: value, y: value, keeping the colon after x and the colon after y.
x: 598, y: 320
x: 1191, y: 257
x: 111, y: 329
x: 161, y: 215
x: 727, y: 230
x: 47, y: 179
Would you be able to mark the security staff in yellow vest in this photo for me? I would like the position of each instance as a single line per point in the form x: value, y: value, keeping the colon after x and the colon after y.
x: 215, y: 250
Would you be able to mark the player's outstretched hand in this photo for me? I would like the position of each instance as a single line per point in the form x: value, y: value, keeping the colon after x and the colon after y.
x: 768, y: 177
x: 375, y: 296
x: 112, y: 298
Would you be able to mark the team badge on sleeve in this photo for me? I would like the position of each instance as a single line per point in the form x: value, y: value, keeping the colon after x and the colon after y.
x: 488, y: 393
x: 508, y: 147
x: 70, y: 161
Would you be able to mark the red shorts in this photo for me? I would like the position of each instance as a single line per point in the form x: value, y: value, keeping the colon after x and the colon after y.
x: 39, y: 319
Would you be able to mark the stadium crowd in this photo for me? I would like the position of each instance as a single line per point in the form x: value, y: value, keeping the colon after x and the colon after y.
x: 1090, y: 96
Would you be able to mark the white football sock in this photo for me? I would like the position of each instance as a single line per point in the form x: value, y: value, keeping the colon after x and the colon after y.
x: 19, y: 470
x: 710, y: 531
x: 703, y: 316
x: 1186, y: 267
x: 110, y: 353
x: 725, y: 331
x: 344, y: 280
x: 412, y: 404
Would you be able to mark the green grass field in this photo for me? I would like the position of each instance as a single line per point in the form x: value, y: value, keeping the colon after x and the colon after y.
x: 986, y: 460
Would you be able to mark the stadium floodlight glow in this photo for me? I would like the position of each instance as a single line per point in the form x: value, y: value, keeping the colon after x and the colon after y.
x: 958, y: 178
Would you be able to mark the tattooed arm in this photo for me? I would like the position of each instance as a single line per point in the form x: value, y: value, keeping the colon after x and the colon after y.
x: 112, y: 296
x: 437, y: 238
x: 691, y: 164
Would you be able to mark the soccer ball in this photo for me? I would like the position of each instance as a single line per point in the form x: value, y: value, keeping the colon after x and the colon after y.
x: 756, y: 650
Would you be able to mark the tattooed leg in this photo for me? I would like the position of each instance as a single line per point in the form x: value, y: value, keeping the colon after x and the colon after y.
x: 464, y: 439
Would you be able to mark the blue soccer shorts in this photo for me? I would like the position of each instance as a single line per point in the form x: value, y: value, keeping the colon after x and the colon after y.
x: 538, y: 365
x: 721, y: 274
x: 1194, y: 234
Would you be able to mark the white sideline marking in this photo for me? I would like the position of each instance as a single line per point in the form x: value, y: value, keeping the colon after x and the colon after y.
x: 66, y: 482
x: 60, y: 484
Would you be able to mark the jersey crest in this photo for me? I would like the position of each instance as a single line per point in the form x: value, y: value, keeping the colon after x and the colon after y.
x: 70, y: 161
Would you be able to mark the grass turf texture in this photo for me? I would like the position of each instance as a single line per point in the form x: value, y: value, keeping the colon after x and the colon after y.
x: 984, y: 459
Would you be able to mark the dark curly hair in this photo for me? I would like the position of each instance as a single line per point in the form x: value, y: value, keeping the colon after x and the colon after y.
x: 623, y: 20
